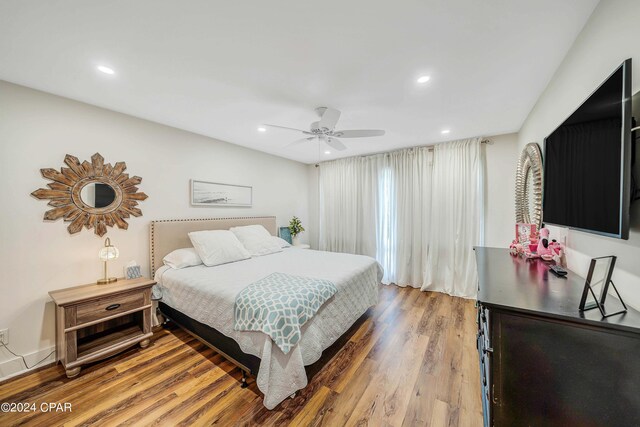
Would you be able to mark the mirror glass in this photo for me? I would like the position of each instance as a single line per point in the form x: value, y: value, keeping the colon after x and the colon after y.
x: 97, y: 195
x: 529, y: 194
x: 529, y: 186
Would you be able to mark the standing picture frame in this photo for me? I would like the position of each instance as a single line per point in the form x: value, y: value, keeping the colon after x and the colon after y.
x: 285, y: 234
x: 132, y: 272
x: 596, y: 286
x: 205, y: 193
x: 526, y: 232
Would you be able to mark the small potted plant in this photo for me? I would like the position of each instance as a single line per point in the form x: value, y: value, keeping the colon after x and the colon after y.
x: 296, y: 228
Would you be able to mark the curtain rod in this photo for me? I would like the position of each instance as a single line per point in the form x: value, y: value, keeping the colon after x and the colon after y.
x: 484, y: 141
x: 430, y: 148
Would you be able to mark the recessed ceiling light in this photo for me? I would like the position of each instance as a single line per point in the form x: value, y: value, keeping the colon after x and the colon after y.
x: 445, y: 131
x: 105, y: 69
x: 423, y: 79
x: 262, y: 129
x: 327, y: 152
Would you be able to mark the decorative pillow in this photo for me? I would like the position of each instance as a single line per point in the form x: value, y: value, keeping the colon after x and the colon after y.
x: 217, y: 247
x: 283, y: 243
x: 181, y: 258
x: 256, y: 239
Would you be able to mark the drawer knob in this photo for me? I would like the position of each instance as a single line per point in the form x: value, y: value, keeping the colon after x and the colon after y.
x: 112, y: 307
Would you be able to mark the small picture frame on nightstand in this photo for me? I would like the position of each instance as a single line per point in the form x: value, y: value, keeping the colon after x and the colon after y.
x: 132, y: 272
x: 285, y: 234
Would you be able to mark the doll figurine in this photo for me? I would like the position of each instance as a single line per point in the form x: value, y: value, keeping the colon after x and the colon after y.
x: 513, y: 250
x: 543, y: 243
x: 558, y: 253
x: 516, y: 248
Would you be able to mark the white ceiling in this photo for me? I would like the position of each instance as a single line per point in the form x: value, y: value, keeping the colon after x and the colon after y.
x: 222, y: 68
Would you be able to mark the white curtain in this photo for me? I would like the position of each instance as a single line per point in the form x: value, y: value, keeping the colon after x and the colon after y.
x: 403, y: 250
x: 386, y: 205
x: 348, y: 200
x: 455, y: 218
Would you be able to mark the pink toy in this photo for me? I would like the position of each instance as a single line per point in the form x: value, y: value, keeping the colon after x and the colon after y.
x: 516, y: 248
x: 543, y: 243
x: 512, y: 248
x: 558, y: 255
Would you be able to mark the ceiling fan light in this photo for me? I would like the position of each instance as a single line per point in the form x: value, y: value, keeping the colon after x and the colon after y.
x: 262, y: 129
x: 424, y: 79
x: 322, y: 131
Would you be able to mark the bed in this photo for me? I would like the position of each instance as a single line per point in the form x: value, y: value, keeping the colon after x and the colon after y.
x: 201, y: 300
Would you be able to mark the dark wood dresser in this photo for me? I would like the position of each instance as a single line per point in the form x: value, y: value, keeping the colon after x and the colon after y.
x: 542, y: 362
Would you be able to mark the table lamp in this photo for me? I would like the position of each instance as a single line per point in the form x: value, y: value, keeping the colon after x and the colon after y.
x: 106, y: 254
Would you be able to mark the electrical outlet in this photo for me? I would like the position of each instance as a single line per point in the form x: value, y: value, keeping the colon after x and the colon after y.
x: 4, y: 336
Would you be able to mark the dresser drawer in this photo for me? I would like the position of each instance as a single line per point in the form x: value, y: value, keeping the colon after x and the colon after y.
x: 108, y: 306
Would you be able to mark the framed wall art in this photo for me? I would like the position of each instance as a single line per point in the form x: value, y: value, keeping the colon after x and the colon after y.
x: 205, y: 193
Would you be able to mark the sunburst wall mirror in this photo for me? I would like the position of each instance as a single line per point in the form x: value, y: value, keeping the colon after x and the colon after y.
x: 92, y: 194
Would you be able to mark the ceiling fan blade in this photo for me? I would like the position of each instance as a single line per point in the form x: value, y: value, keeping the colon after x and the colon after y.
x: 336, y: 143
x: 329, y: 118
x: 284, y: 127
x: 299, y: 141
x: 358, y: 133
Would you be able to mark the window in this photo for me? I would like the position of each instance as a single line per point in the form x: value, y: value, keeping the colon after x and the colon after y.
x: 387, y: 221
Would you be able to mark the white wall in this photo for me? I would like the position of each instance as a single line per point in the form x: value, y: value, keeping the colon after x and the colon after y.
x: 611, y: 35
x: 499, y: 191
x: 314, y: 206
x: 37, y: 130
x: 499, y: 211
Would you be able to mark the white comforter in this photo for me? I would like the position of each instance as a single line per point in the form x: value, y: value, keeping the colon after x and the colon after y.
x: 207, y: 294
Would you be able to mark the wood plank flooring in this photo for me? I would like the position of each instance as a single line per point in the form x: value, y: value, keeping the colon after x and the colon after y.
x: 411, y: 361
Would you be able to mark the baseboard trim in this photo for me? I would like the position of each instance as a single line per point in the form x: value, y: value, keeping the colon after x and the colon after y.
x: 14, y: 367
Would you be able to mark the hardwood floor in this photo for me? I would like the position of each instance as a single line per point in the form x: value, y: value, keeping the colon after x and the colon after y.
x: 411, y: 361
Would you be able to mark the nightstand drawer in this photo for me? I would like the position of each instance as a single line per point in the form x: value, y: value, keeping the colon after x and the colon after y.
x: 108, y: 306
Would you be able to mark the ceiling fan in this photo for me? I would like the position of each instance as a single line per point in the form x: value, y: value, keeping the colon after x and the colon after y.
x: 324, y: 130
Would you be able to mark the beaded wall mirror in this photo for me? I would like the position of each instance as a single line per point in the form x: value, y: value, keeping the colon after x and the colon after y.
x: 92, y: 194
x: 529, y: 186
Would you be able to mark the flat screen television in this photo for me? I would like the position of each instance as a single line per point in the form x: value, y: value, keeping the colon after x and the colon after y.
x: 587, y: 162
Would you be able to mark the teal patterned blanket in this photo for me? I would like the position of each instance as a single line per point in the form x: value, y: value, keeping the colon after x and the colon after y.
x: 279, y: 305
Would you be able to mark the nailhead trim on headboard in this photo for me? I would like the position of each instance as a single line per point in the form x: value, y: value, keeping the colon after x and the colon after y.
x: 152, y: 233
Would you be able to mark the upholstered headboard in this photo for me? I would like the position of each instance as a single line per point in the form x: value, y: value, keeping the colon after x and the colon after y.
x: 169, y: 235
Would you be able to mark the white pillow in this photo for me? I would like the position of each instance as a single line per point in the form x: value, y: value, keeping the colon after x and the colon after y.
x: 256, y: 239
x: 217, y: 247
x: 181, y: 258
x: 283, y: 243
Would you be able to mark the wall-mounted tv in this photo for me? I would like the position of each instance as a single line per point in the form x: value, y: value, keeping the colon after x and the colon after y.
x: 587, y: 162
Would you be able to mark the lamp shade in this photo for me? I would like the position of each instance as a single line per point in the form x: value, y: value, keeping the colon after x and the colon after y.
x: 109, y: 252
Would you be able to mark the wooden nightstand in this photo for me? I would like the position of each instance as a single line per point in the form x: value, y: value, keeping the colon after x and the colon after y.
x: 97, y: 321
